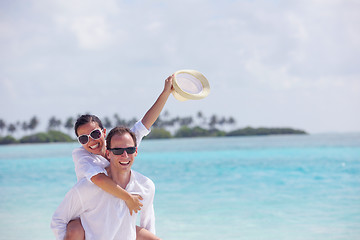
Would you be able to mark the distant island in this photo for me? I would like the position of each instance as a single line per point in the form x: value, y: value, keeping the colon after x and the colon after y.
x: 189, y: 132
x: 182, y: 127
x: 157, y: 133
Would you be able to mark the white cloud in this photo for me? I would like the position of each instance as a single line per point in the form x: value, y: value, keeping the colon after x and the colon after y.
x: 8, y: 90
x: 262, y: 46
x: 88, y: 21
x: 155, y: 27
x: 92, y: 32
x: 298, y: 28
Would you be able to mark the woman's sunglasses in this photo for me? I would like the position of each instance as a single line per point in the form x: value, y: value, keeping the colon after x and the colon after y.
x: 95, y: 134
x: 119, y: 151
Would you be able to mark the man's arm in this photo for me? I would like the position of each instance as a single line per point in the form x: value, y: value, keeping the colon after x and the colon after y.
x: 147, y: 214
x: 153, y: 113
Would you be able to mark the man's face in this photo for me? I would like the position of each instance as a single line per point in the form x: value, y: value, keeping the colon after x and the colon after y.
x: 124, y: 161
x: 95, y: 146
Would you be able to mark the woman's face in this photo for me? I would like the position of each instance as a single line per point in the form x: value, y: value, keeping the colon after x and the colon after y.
x: 95, y: 146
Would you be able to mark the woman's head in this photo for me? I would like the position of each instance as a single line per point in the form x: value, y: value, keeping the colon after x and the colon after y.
x: 91, y: 134
x: 86, y: 118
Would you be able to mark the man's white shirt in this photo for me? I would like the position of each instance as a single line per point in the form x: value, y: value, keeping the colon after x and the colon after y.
x: 102, y: 215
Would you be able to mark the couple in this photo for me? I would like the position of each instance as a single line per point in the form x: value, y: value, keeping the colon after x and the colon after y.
x: 104, y: 203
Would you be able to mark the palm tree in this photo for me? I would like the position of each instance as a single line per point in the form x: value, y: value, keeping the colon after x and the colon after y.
x: 54, y: 123
x: 11, y: 128
x: 2, y: 125
x: 222, y: 121
x: 163, y: 120
x: 158, y: 123
x: 119, y: 121
x: 131, y: 122
x: 202, y: 118
x: 174, y: 121
x: 107, y: 123
x: 69, y: 124
x: 231, y: 121
x: 200, y: 115
x: 213, y: 121
x: 34, y: 122
x: 186, y: 121
x: 25, y: 126
x: 166, y: 114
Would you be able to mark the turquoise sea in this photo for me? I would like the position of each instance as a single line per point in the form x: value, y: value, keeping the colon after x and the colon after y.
x: 299, y: 187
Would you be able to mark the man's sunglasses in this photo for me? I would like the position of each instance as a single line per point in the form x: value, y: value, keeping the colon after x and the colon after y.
x: 95, y: 134
x: 120, y: 151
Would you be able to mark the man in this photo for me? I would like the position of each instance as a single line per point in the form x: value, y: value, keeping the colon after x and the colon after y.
x: 104, y: 216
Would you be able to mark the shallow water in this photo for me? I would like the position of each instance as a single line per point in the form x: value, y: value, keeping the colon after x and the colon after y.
x: 274, y: 187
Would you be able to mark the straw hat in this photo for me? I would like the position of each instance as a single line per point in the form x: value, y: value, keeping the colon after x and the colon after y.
x: 190, y: 85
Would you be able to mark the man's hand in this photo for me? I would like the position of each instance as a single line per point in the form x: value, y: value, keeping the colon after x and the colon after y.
x: 134, y: 203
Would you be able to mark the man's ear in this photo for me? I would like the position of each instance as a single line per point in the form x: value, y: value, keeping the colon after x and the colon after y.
x: 136, y: 152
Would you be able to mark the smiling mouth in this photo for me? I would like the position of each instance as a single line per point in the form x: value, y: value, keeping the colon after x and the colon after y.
x: 125, y: 163
x: 94, y: 146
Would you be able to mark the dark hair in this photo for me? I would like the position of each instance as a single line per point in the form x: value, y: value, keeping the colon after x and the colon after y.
x: 86, y: 118
x: 119, y: 131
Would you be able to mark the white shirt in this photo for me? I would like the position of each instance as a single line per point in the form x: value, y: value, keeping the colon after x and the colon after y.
x: 88, y: 164
x: 104, y: 216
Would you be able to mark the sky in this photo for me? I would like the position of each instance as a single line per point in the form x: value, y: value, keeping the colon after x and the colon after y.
x: 279, y: 63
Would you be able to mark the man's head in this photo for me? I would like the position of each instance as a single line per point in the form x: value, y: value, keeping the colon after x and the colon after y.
x: 121, y: 148
x: 91, y: 134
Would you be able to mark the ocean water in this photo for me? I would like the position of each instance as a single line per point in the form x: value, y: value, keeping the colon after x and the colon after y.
x: 300, y: 187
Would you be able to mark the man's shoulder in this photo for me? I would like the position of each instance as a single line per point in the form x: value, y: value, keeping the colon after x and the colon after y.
x: 86, y: 194
x: 85, y: 187
x: 143, y: 180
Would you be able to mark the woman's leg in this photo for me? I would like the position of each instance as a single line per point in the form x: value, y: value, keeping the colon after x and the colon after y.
x: 74, y: 230
x: 143, y: 234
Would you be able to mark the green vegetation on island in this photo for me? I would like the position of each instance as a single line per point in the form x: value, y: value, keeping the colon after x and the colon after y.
x: 164, y: 127
x: 249, y: 131
x: 48, y: 137
x: 188, y: 132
